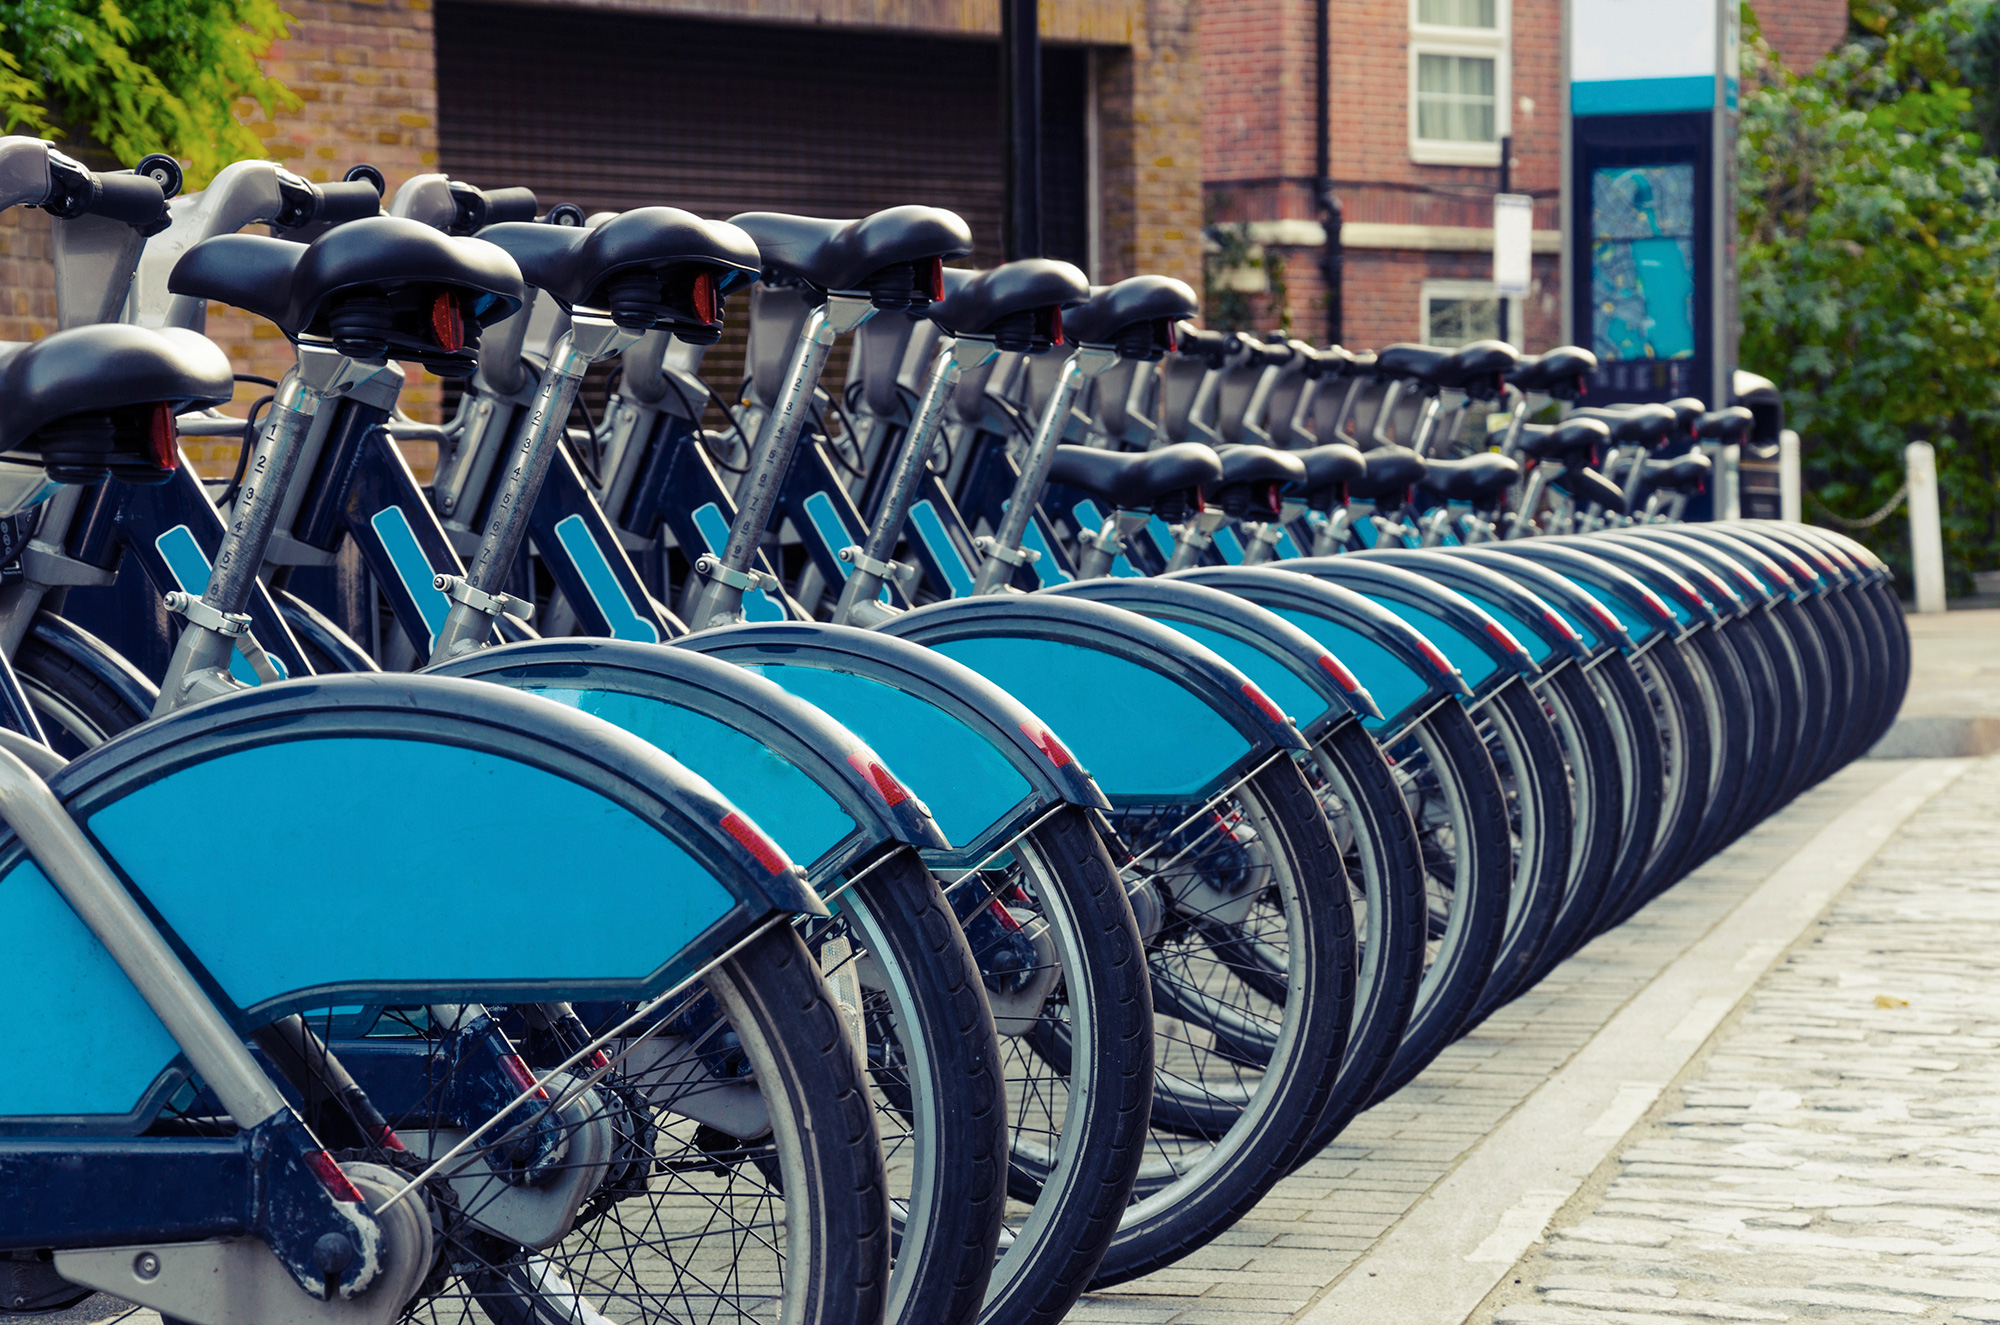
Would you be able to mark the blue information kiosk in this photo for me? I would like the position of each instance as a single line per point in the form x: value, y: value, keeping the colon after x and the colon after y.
x: 1649, y: 195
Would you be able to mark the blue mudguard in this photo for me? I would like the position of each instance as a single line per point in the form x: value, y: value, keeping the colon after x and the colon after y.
x: 1581, y: 610
x: 1153, y: 715
x: 1528, y: 616
x: 1691, y: 607
x: 1806, y: 574
x: 1733, y: 567
x: 1485, y: 652
x: 1722, y: 596
x: 828, y: 799
x: 1287, y: 664
x: 1646, y: 616
x: 355, y: 840
x: 1871, y: 568
x: 986, y: 765
x: 1405, y: 673
x: 1776, y: 579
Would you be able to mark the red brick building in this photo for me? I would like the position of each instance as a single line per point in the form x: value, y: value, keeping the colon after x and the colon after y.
x: 1421, y: 93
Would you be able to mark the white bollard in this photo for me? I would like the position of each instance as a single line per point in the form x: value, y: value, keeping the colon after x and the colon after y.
x: 1926, y: 533
x: 1729, y: 483
x: 1791, y: 499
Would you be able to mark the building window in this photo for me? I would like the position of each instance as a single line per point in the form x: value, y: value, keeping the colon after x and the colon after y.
x: 1453, y: 313
x: 1459, y: 79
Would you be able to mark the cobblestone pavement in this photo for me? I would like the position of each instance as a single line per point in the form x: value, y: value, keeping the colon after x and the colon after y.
x: 1316, y: 1223
x: 1836, y: 1151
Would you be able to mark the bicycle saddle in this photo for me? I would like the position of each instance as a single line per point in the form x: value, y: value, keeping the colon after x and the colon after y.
x: 894, y: 256
x: 1387, y: 471
x: 1573, y: 441
x: 1687, y: 410
x: 1136, y: 316
x: 1252, y: 475
x: 1682, y: 473
x: 650, y: 267
x: 1559, y: 372
x: 1479, y: 369
x: 1585, y: 486
x: 375, y: 287
x: 1017, y: 305
x: 1328, y: 465
x: 1725, y: 425
x: 1133, y: 480
x: 1479, y: 479
x: 1643, y: 425
x: 1412, y: 363
x: 100, y: 400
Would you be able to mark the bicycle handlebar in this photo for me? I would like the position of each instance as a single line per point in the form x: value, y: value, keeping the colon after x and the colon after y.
x: 303, y: 203
x: 76, y: 190
x: 474, y: 209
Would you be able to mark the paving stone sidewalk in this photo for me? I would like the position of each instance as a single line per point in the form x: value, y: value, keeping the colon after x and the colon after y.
x: 1835, y: 1150
x: 1316, y: 1223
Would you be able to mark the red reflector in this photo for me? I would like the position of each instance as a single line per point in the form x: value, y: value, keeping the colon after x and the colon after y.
x: 1603, y: 615
x: 1436, y: 659
x: 1263, y: 701
x: 599, y: 1061
x: 1045, y: 740
x: 163, y: 439
x: 337, y: 1184
x: 1503, y: 637
x: 448, y: 322
x: 879, y: 778
x: 1333, y: 667
x: 1657, y: 603
x: 937, y: 279
x: 1560, y: 626
x: 386, y: 1138
x: 1274, y: 502
x: 517, y: 1072
x: 1004, y: 916
x: 703, y: 295
x: 752, y: 840
x: 1055, y: 325
x: 1200, y: 503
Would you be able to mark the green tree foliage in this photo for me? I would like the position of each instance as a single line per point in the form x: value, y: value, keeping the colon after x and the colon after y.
x: 141, y: 76
x: 1870, y: 260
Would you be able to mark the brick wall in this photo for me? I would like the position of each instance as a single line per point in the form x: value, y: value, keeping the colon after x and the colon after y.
x: 1150, y: 146
x: 1801, y: 31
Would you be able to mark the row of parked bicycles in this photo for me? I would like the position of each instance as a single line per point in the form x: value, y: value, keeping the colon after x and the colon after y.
x: 911, y: 852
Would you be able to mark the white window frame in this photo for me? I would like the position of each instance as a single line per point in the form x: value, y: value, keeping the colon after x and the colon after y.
x: 1463, y: 289
x: 1496, y: 44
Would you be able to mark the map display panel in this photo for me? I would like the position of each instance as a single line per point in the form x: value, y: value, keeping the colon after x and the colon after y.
x: 1642, y: 271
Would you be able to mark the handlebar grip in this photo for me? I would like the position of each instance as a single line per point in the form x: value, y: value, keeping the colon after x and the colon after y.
x: 515, y: 204
x: 350, y: 200
x: 1194, y: 341
x: 1272, y: 356
x: 134, y: 199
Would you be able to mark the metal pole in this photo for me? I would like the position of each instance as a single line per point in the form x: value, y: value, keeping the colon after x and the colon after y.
x: 1926, y: 535
x: 1021, y: 92
x: 1506, y: 179
x: 1790, y: 495
x: 1332, y: 256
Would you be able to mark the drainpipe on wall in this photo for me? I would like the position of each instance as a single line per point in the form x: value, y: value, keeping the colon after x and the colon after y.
x: 1332, y: 257
x: 1021, y: 91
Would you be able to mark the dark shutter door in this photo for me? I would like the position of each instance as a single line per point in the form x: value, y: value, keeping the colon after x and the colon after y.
x: 616, y: 110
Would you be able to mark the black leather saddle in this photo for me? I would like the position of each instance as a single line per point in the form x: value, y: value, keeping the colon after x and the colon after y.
x: 1574, y: 441
x: 1251, y: 477
x: 894, y: 256
x: 1017, y: 305
x: 1136, y: 480
x: 1330, y: 465
x: 1586, y: 487
x: 378, y: 287
x: 1411, y: 363
x: 101, y: 400
x: 1388, y: 471
x: 1682, y: 473
x: 1135, y: 316
x: 1479, y: 479
x: 1639, y: 425
x: 1725, y: 425
x: 650, y: 267
x: 1558, y: 373
x: 1479, y: 369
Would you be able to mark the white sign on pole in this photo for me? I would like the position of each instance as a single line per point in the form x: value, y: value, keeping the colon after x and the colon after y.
x: 1513, y: 244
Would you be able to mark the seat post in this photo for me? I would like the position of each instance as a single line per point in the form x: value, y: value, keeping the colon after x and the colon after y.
x: 729, y: 575
x: 216, y: 623
x: 860, y: 597
x: 1003, y: 550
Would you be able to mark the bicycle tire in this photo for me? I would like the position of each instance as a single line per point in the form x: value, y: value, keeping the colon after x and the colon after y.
x: 1726, y: 707
x: 77, y: 710
x: 1622, y: 698
x: 1073, y: 1209
x: 1245, y: 1137
x: 941, y: 1109
x: 1527, y: 756
x: 1590, y: 761
x: 1453, y: 778
x: 1682, y: 732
